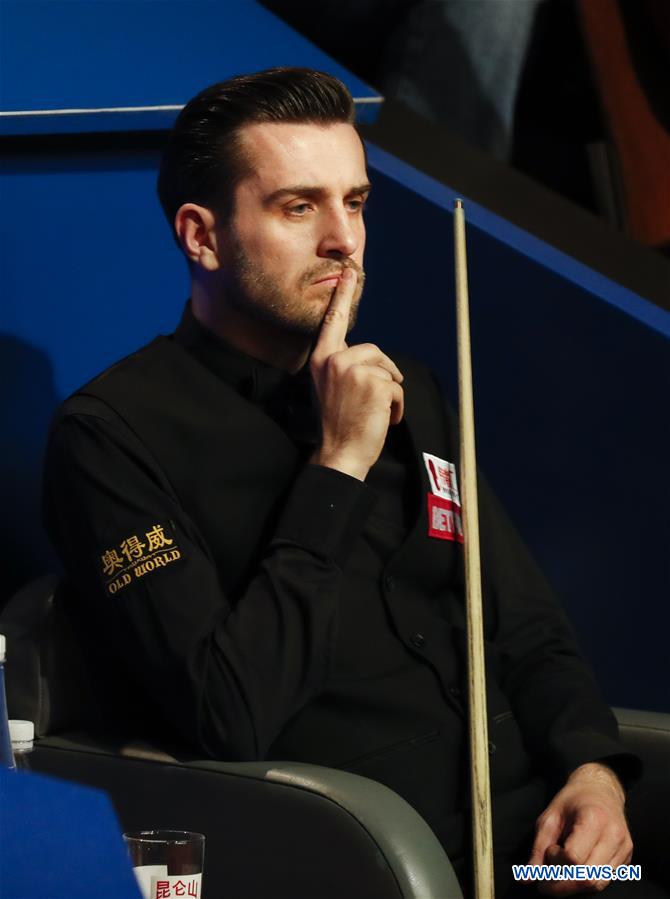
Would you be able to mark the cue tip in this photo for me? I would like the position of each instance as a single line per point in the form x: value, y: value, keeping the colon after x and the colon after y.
x: 458, y: 204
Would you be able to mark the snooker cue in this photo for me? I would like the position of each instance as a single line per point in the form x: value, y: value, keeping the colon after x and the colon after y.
x: 482, y: 830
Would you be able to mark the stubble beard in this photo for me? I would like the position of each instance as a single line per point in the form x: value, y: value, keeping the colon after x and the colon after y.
x: 252, y: 292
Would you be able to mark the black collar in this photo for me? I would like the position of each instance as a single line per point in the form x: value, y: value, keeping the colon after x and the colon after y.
x: 279, y: 392
x: 254, y: 379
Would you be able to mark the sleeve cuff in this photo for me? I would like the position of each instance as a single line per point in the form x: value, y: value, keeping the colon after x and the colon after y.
x: 578, y: 748
x: 325, y: 512
x: 627, y: 767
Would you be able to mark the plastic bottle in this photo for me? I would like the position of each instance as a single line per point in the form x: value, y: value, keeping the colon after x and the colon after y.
x: 6, y: 755
x: 22, y: 735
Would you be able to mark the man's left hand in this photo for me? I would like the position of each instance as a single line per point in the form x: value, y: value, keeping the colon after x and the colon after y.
x: 583, y: 824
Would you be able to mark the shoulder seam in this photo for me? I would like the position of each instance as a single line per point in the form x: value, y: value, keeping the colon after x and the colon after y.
x: 89, y: 405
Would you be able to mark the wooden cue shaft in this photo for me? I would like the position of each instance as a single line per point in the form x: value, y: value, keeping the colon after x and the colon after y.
x: 482, y: 831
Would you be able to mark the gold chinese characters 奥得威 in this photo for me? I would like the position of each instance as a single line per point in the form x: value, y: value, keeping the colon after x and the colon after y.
x: 136, y: 556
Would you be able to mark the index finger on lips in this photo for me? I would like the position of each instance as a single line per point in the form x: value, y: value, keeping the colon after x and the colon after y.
x: 336, y: 320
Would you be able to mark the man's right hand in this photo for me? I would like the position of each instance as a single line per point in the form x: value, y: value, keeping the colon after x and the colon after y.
x: 358, y: 390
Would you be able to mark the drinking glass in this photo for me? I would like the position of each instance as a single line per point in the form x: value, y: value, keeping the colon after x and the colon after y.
x: 167, y: 863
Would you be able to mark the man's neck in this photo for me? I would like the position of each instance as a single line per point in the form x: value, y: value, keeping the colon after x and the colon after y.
x: 262, y: 340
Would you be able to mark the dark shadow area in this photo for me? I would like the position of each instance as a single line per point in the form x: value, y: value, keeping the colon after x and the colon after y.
x: 557, y: 110
x: 99, y: 152
x: 354, y: 33
x: 27, y: 401
x: 647, y: 25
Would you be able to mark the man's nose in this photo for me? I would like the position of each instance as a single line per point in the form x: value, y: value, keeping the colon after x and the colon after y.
x: 340, y: 236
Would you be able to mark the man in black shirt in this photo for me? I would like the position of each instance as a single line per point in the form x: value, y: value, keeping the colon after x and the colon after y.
x: 264, y: 521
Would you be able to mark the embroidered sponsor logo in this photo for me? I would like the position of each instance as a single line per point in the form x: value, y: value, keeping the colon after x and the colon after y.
x: 136, y: 556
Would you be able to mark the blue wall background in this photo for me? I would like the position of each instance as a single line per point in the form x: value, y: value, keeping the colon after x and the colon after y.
x: 571, y: 375
x: 571, y: 370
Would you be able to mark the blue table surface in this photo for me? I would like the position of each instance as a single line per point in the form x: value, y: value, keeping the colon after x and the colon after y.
x: 60, y: 841
x: 136, y: 55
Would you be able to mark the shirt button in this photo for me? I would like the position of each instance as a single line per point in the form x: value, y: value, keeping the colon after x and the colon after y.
x: 492, y: 747
x: 454, y: 691
x: 389, y: 583
x: 418, y: 640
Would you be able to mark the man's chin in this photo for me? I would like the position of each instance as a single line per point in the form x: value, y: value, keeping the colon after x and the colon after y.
x: 308, y: 318
x: 298, y: 325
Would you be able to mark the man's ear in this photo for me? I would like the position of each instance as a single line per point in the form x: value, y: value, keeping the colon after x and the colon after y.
x: 195, y: 227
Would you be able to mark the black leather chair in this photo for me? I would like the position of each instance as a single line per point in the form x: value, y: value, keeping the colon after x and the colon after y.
x: 273, y: 829
x: 278, y: 829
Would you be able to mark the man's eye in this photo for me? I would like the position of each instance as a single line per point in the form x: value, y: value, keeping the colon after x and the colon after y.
x: 299, y: 209
x: 356, y: 205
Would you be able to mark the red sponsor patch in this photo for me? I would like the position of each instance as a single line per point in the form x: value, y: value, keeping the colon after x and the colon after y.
x: 444, y: 519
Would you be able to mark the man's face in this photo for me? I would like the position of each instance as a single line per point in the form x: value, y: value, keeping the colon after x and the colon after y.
x: 297, y: 222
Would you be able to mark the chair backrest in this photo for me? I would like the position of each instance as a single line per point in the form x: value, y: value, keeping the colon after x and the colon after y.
x: 45, y: 673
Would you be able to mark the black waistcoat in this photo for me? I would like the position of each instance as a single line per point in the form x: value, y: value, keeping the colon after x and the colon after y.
x: 393, y: 706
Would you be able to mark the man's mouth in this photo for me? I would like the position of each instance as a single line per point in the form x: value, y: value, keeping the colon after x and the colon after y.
x: 330, y: 279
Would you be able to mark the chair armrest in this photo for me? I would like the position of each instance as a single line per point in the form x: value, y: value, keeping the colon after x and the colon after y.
x: 412, y: 850
x: 640, y: 719
x: 290, y: 829
x: 648, y: 735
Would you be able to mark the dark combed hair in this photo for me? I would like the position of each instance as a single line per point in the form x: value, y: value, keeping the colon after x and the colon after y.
x: 203, y: 161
